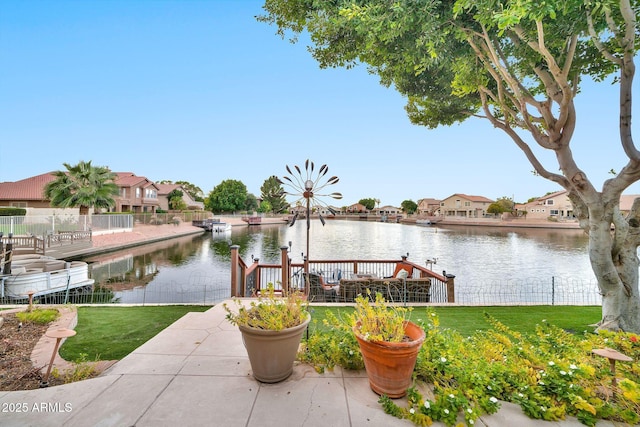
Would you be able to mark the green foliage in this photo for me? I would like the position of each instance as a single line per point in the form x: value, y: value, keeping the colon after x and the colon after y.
x: 333, y: 345
x: 228, y: 196
x: 251, y: 204
x: 409, y: 206
x: 271, y: 311
x: 39, y: 315
x: 368, y: 203
x: 83, y: 186
x: 503, y: 204
x: 13, y: 212
x: 273, y: 193
x: 82, y: 369
x: 550, y: 373
x: 378, y: 320
x: 265, y: 207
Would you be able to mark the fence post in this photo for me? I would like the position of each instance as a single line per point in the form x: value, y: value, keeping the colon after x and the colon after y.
x: 284, y: 251
x: 234, y: 270
x: 451, y: 292
x: 553, y: 290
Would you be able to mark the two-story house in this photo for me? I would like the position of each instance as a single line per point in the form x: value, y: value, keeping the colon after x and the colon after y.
x: 554, y: 205
x: 464, y: 206
x: 163, y: 197
x: 136, y: 193
x: 428, y: 207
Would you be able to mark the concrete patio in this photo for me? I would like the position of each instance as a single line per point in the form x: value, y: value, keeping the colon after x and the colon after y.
x: 196, y: 373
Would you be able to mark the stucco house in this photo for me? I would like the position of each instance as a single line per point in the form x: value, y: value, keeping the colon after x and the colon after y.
x: 136, y: 193
x: 387, y: 210
x: 428, y: 207
x: 357, y: 208
x: 551, y: 206
x: 163, y: 197
x: 464, y: 206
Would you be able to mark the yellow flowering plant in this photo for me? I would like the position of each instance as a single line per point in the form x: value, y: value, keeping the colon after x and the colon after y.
x: 377, y: 320
x: 271, y: 311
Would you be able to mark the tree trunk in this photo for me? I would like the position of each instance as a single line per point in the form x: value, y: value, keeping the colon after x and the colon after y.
x: 615, y: 263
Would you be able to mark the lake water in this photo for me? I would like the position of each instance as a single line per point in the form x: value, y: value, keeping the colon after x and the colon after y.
x: 491, y: 264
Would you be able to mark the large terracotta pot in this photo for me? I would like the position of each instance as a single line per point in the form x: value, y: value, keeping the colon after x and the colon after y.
x: 390, y: 365
x: 272, y: 353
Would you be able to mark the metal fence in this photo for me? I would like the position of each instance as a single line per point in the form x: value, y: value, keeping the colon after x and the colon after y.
x: 529, y: 291
x: 39, y: 225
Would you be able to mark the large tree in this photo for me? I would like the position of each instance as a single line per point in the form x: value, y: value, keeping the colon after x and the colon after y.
x: 519, y: 65
x: 82, y: 186
x: 273, y: 193
x: 228, y: 196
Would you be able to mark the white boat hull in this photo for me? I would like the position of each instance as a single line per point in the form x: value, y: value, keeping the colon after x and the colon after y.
x: 220, y: 227
x: 42, y: 276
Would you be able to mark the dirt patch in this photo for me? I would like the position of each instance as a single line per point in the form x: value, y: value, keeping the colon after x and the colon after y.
x: 17, y: 340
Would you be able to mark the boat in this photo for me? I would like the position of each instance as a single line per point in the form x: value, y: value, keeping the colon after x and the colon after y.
x: 220, y: 227
x: 425, y: 222
x: 42, y: 275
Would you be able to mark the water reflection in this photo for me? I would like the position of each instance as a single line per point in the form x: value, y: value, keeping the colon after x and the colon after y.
x: 474, y: 254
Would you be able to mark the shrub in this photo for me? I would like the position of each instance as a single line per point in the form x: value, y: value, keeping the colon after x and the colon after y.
x: 39, y: 315
x: 550, y: 373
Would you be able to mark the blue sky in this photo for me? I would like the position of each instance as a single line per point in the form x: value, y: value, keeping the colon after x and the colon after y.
x: 200, y: 91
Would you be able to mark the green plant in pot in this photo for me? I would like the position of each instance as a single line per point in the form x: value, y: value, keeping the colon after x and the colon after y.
x: 272, y: 326
x: 389, y: 344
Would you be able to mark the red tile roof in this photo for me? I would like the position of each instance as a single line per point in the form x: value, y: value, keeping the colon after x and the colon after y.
x: 32, y: 188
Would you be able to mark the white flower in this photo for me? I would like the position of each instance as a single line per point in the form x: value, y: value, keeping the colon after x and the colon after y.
x: 520, y: 395
x: 350, y: 352
x: 469, y: 410
x: 543, y: 409
x: 412, y: 411
x: 572, y: 366
x: 452, y: 396
x: 446, y: 411
x: 433, y: 315
x: 493, y: 400
x: 427, y: 404
x: 471, y: 422
x: 443, y: 359
x: 488, y: 387
x: 563, y: 373
x: 541, y: 382
x: 551, y: 363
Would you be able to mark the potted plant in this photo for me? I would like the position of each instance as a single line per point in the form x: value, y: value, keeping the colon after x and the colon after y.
x: 271, y: 327
x: 389, y: 344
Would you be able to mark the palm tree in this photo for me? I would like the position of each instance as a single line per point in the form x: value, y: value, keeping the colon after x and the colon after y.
x: 83, y: 186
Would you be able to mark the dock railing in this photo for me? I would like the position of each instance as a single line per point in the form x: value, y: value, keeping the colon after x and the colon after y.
x: 348, y: 277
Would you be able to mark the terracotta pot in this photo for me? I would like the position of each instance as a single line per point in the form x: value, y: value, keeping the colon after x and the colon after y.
x: 390, y: 365
x: 272, y: 353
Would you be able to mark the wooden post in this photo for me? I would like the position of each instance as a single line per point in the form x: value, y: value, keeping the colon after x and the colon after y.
x: 451, y: 289
x: 234, y: 271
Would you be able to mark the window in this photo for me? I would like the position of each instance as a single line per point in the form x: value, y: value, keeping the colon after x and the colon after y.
x: 550, y: 202
x: 467, y: 203
x: 123, y: 193
x: 553, y: 212
x: 138, y: 195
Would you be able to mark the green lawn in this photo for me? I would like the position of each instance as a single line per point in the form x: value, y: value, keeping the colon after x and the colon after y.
x: 467, y: 320
x: 110, y: 333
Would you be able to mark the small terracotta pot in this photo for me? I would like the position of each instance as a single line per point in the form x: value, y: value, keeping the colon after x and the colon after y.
x: 390, y: 365
x: 272, y: 353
